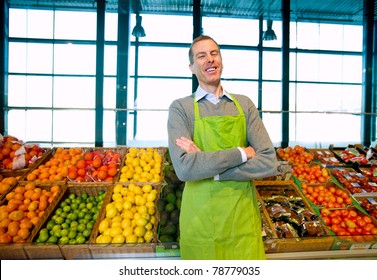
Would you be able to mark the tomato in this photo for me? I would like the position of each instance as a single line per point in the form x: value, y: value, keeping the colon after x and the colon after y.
x: 360, y: 223
x: 344, y: 213
x: 326, y: 220
x: 351, y: 230
x: 358, y: 238
x: 367, y: 219
x: 368, y: 228
x: 335, y: 221
x: 359, y: 230
x: 373, y: 231
x: 352, y: 214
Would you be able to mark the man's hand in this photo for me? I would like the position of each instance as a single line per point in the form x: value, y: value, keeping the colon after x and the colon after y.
x: 187, y: 145
x: 250, y: 152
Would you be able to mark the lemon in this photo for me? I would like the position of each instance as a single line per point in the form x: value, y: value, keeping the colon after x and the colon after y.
x: 131, y: 199
x: 140, y: 231
x: 148, y: 226
x: 103, y: 225
x: 153, y: 220
x: 140, y: 240
x: 137, y: 190
x: 117, y: 197
x: 128, y: 214
x: 115, y: 231
x: 148, y: 236
x: 124, y: 169
x: 136, y: 162
x: 125, y: 223
x: 116, y: 224
x: 147, y: 188
x: 151, y: 196
x: 124, y: 191
x: 111, y: 212
x: 138, y: 169
x: 128, y: 231
x: 151, y: 210
x: 118, y: 239
x: 127, y: 205
x: 107, y: 232
x: 136, y: 177
x: 142, y: 209
x: 117, y: 218
x: 118, y: 188
x: 131, y: 238
x: 119, y: 205
x: 141, y: 222
x: 102, y: 239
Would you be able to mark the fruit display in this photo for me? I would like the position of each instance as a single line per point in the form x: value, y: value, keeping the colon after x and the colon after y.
x: 290, y: 215
x: 369, y: 204
x: 169, y: 204
x: 74, y: 217
x: 353, y: 154
x: 327, y: 195
x: 295, y: 155
x: 78, y: 165
x: 326, y: 157
x: 6, y: 183
x: 312, y: 173
x: 355, y: 182
x: 350, y: 222
x: 130, y: 216
x: 15, y: 155
x: 23, y: 208
x: 142, y: 165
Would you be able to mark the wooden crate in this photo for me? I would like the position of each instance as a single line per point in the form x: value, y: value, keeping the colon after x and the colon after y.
x: 297, y: 244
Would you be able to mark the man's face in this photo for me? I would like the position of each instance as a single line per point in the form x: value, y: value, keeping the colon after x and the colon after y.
x: 208, y: 63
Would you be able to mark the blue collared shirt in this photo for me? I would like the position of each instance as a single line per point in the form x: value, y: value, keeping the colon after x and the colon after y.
x: 201, y: 93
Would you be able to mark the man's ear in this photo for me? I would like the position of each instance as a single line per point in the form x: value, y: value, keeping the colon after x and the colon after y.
x: 191, y: 68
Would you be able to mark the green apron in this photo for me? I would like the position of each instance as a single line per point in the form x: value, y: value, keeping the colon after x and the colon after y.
x: 220, y: 219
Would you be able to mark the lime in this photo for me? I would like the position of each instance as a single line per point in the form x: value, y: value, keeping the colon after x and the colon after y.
x: 53, y: 239
x: 81, y: 227
x: 56, y: 227
x: 64, y: 214
x: 88, y: 216
x: 82, y: 205
x: 67, y: 208
x: 72, y: 234
x: 59, y: 210
x: 90, y: 225
x: 72, y: 242
x: 63, y: 240
x: 72, y: 216
x: 50, y: 224
x: 74, y: 206
x: 72, y: 196
x: 89, y: 205
x: 74, y: 224
x: 43, y: 235
x: 65, y: 225
x: 84, y: 196
x: 86, y: 232
x: 81, y: 215
x: 80, y: 240
x: 59, y: 220
x: 57, y: 233
x: 64, y: 232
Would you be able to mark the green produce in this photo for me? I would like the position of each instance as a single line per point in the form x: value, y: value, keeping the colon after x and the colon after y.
x: 72, y: 222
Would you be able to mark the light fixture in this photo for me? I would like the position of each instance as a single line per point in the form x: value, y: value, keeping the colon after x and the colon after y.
x: 138, y: 30
x: 269, y: 34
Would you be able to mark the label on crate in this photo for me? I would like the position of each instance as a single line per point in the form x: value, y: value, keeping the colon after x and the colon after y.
x: 360, y: 246
x: 373, y: 184
x: 356, y: 185
x: 360, y: 175
x: 372, y: 200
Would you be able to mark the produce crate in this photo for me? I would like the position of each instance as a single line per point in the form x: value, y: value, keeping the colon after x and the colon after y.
x: 46, y: 152
x: 309, y: 173
x: 350, y: 155
x: 355, y: 242
x: 122, y: 178
x: 17, y: 174
x: 289, y: 191
x: 75, y: 251
x: 353, y: 180
x: 120, y: 150
x: 13, y: 252
x: 326, y: 157
x: 369, y: 203
x: 124, y: 249
x: 320, y: 203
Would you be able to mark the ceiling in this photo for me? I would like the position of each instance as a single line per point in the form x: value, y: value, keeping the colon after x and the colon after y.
x: 350, y: 11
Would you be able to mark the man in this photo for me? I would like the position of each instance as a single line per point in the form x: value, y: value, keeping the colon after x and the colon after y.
x: 218, y: 145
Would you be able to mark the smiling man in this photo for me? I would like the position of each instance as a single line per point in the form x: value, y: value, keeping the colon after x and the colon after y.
x: 218, y: 146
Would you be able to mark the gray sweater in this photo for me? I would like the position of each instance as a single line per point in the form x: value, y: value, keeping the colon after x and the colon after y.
x: 225, y: 163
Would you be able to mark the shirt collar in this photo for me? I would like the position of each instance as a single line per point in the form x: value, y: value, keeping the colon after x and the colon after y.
x: 201, y: 93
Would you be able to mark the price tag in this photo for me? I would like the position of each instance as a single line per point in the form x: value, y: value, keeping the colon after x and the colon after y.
x: 360, y: 246
x: 372, y: 200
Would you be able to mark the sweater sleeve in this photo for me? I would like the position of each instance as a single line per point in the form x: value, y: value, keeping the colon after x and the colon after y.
x: 201, y: 165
